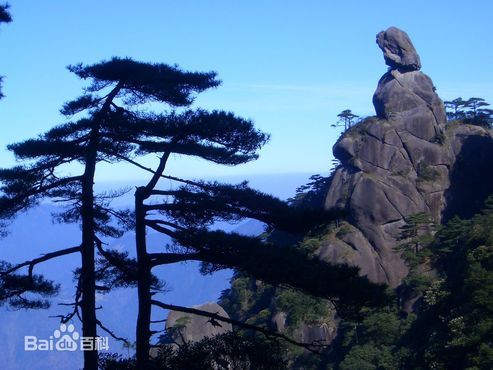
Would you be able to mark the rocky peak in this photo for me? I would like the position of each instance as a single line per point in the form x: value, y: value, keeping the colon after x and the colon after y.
x: 398, y: 50
x: 404, y: 88
x: 396, y: 164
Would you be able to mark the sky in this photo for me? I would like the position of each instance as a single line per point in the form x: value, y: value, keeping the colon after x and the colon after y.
x: 290, y: 66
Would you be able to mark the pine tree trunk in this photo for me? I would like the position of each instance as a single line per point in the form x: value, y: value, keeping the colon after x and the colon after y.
x: 88, y: 279
x: 88, y: 275
x: 143, y: 333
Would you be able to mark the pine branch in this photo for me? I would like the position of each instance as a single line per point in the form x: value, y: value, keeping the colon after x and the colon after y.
x: 118, y: 264
x: 112, y: 334
x: 161, y: 229
x: 43, y: 258
x: 157, y: 259
x: 268, y: 333
x: 150, y: 222
x: 168, y: 177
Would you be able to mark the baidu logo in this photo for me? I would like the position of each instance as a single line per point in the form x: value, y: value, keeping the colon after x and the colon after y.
x: 65, y: 338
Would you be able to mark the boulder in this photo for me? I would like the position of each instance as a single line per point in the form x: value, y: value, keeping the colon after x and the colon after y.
x: 398, y: 92
x: 185, y: 327
x: 398, y: 50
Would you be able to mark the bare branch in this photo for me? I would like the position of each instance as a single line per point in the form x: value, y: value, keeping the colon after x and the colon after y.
x: 157, y: 259
x: 43, y: 258
x: 78, y: 292
x: 268, y: 333
x: 162, y: 229
x: 121, y: 266
x: 150, y: 222
x: 158, y: 321
x: 112, y: 334
x: 150, y: 170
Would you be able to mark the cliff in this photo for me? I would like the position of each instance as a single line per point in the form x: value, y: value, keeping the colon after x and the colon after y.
x: 405, y: 160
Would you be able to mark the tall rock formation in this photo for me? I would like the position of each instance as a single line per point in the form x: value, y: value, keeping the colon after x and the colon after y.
x: 399, y: 163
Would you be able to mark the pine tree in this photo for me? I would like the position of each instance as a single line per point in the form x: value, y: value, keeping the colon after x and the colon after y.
x: 472, y: 110
x: 217, y: 136
x: 114, y: 128
x: 110, y: 131
x: 455, y: 108
x: 417, y: 232
x: 475, y: 104
x: 187, y: 212
x: 346, y: 119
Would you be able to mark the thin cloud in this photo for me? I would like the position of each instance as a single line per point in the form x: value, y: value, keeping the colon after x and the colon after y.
x: 326, y: 90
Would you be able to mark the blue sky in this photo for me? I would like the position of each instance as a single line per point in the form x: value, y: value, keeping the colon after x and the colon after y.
x: 289, y: 65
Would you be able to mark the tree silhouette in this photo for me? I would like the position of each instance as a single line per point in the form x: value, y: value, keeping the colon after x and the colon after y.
x: 216, y: 136
x: 112, y: 125
x: 471, y: 111
x: 4, y: 18
x: 186, y: 214
x: 475, y: 105
x: 111, y: 130
x: 455, y: 108
x: 346, y: 119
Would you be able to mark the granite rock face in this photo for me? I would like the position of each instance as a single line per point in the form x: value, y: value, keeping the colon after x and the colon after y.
x: 412, y: 92
x: 397, y: 164
x: 185, y: 327
x: 398, y: 50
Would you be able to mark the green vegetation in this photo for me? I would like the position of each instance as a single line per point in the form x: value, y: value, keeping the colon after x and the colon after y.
x: 426, y: 173
x: 456, y: 321
x: 372, y: 343
x: 346, y: 119
x: 281, y: 309
x: 453, y: 327
x: 258, y: 302
x: 109, y: 124
x: 440, y: 317
x: 222, y: 352
x: 417, y: 236
x: 439, y: 138
x: 313, y: 193
x: 472, y: 110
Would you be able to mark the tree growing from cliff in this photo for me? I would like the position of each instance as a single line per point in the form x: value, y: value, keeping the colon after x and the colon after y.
x: 454, y: 327
x: 474, y: 106
x: 416, y: 237
x: 478, y: 113
x: 455, y: 108
x: 109, y: 132
x: 346, y: 119
x: 4, y: 18
x: 417, y: 232
x: 313, y: 193
x: 472, y: 110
